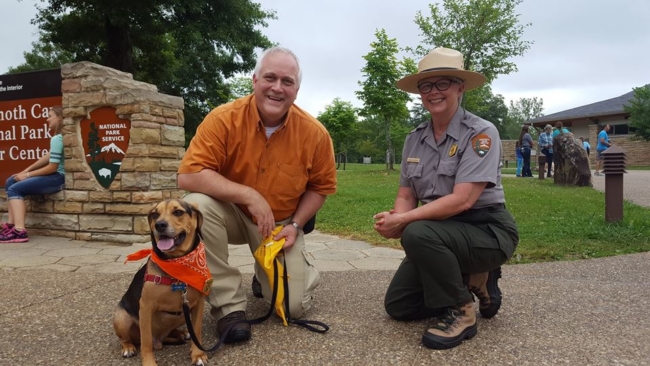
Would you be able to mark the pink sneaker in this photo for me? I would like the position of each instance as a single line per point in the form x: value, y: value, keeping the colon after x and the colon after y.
x: 14, y: 236
x: 6, y: 227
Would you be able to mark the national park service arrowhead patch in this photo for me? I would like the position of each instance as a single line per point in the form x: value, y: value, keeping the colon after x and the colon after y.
x: 481, y: 144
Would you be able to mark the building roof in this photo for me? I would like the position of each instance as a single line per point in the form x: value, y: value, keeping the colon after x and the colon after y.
x: 603, y: 108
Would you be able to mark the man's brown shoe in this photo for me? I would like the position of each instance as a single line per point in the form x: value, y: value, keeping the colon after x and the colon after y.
x: 236, y: 327
x: 452, y: 328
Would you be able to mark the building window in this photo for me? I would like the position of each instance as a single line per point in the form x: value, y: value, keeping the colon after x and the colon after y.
x: 623, y: 129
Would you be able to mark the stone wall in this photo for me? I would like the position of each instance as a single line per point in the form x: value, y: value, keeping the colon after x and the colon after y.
x: 85, y: 210
x: 636, y: 152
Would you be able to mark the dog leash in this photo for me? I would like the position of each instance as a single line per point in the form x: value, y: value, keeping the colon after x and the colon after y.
x: 312, y: 325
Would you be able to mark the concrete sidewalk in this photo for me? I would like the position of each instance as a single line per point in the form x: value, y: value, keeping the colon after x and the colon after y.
x: 325, y: 252
x: 59, y: 296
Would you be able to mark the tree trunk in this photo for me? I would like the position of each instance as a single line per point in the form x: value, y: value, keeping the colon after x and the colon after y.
x: 389, y: 143
x: 119, y: 47
x: 571, y: 162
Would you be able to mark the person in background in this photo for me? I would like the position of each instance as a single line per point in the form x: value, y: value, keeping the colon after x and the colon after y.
x: 525, y: 145
x: 586, y: 145
x: 545, y: 142
x: 603, y: 144
x: 449, y: 213
x: 520, y: 158
x: 559, y: 128
x: 254, y: 164
x: 45, y: 176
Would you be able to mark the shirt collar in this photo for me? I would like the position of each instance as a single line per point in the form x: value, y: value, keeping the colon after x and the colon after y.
x: 254, y: 114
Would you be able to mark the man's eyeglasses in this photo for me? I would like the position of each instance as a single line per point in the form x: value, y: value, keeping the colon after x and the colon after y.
x: 441, y: 85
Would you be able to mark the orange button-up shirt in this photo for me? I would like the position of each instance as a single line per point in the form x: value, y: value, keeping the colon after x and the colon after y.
x: 299, y: 156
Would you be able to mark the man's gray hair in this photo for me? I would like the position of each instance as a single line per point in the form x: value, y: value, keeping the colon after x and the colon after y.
x: 548, y: 127
x: 278, y: 49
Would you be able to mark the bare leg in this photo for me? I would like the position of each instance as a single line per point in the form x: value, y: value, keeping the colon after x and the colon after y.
x: 16, y: 208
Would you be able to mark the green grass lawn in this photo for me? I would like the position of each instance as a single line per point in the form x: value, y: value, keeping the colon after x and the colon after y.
x: 555, y: 223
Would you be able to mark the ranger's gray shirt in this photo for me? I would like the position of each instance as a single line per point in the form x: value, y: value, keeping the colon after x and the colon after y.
x: 469, y: 151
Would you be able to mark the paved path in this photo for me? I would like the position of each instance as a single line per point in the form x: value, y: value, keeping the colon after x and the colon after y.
x: 59, y: 294
x: 589, y: 312
x: 636, y: 186
x: 326, y: 252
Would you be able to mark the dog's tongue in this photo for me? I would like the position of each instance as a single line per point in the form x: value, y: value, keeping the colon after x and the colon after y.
x: 165, y: 244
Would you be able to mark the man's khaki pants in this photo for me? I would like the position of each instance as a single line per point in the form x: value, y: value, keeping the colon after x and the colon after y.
x: 224, y: 223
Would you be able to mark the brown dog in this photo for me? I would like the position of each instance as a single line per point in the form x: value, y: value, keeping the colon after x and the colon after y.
x: 151, y: 312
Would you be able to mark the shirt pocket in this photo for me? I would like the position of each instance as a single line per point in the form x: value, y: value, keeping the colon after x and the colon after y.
x: 292, y: 179
x: 414, y: 171
x: 448, y: 168
x: 414, y: 175
x: 445, y: 178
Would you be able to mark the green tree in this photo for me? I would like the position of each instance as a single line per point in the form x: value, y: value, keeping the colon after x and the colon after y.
x: 44, y: 55
x: 418, y: 114
x: 186, y: 48
x: 525, y: 109
x: 382, y: 100
x: 368, y: 148
x: 491, y: 107
x: 340, y: 119
x: 522, y: 111
x: 486, y: 32
x: 240, y: 87
x: 639, y: 110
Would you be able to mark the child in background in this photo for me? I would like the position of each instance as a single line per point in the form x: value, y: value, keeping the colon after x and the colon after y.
x: 45, y: 176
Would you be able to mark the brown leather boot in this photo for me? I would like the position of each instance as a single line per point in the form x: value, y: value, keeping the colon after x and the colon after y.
x: 485, y: 287
x: 450, y: 329
x: 477, y: 284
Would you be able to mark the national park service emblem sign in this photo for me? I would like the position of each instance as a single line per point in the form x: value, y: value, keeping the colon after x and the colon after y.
x: 481, y: 144
x: 105, y: 141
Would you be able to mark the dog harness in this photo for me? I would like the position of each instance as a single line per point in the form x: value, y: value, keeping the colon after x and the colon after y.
x: 191, y: 268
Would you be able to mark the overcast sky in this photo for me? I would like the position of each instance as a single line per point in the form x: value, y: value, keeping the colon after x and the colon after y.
x: 584, y: 51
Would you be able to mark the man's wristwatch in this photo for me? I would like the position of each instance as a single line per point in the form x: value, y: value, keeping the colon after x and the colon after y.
x: 294, y: 224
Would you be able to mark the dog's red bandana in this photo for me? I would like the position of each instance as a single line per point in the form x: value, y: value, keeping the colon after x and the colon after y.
x: 191, y: 268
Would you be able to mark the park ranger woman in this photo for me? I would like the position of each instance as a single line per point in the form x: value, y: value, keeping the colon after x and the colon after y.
x: 450, y: 209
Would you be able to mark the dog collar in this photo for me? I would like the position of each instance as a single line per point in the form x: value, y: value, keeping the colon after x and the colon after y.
x: 160, y: 280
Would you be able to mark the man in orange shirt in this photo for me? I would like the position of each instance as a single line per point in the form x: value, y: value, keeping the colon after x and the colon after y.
x: 253, y: 164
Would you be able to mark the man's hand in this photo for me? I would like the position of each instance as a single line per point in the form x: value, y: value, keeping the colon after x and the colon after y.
x: 389, y: 224
x: 261, y: 212
x: 290, y: 233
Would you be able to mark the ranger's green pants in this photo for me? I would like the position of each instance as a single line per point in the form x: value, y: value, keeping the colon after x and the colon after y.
x: 438, y: 253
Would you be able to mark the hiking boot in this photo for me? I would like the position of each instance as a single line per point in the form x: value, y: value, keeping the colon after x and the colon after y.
x: 486, y: 288
x: 14, y: 236
x: 256, y: 286
x: 234, y: 324
x: 6, y: 227
x: 452, y: 328
x: 477, y: 285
